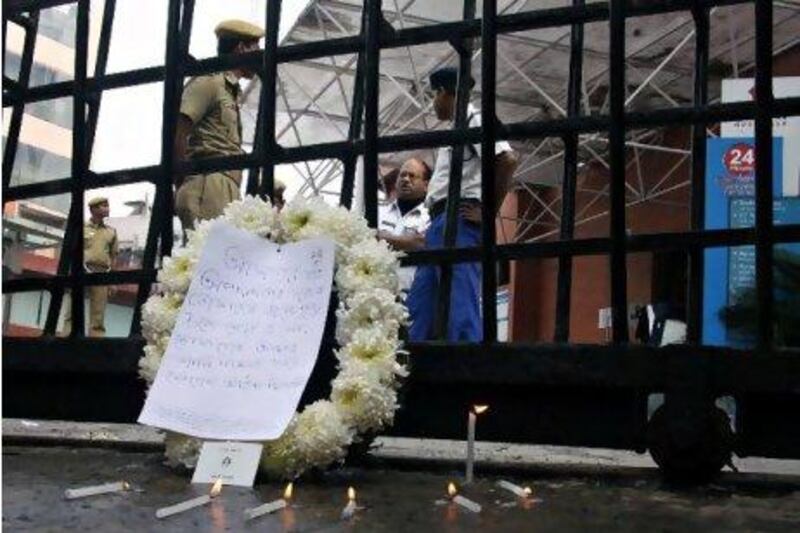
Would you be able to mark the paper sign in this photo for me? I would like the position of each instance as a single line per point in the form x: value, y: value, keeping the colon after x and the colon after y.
x: 246, y: 339
x: 235, y: 463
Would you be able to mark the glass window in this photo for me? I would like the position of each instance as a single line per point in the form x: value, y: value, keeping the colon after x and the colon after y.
x: 34, y: 165
x: 58, y: 24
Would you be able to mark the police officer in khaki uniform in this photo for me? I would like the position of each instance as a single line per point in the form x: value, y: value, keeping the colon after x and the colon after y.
x: 100, y: 248
x: 209, y: 125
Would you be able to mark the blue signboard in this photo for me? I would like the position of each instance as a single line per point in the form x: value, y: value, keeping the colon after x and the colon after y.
x: 730, y: 203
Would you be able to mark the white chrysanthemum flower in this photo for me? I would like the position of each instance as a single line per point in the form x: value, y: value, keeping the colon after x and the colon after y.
x: 344, y: 227
x: 365, y: 403
x: 302, y: 218
x: 385, y: 372
x: 181, y: 449
x: 377, y: 309
x: 252, y: 214
x: 176, y: 271
x: 318, y: 436
x: 153, y: 354
x: 197, y: 237
x: 366, y: 267
x: 159, y: 314
x: 149, y: 363
x: 373, y: 349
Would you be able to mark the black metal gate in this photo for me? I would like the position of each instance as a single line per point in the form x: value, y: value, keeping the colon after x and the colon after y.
x: 558, y: 393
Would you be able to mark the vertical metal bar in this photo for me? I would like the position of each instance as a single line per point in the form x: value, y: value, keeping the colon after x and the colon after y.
x: 488, y: 177
x: 696, y: 256
x: 15, y: 124
x: 618, y: 259
x: 764, y: 177
x: 254, y: 173
x: 356, y: 118
x: 57, y: 295
x: 161, y: 219
x: 372, y: 53
x: 568, y: 185
x: 442, y: 316
x: 186, y: 17
x: 79, y: 163
x: 5, y: 33
x: 103, y: 46
x: 269, y: 78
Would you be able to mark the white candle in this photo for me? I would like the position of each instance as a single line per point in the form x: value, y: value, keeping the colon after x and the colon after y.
x: 183, y: 506
x: 351, y: 507
x: 267, y: 508
x: 107, y: 488
x: 522, y: 492
x: 472, y: 420
x: 191, y: 504
x: 467, y: 504
x: 270, y: 507
x: 462, y: 501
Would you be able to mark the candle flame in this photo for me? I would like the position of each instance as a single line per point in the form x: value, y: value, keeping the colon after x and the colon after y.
x: 216, y: 488
x: 287, y: 493
x: 451, y: 489
x: 528, y: 491
x: 478, y: 409
x: 351, y: 494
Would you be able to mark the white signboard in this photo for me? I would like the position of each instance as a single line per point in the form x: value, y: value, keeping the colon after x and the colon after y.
x: 235, y: 463
x: 743, y: 90
x: 246, y: 340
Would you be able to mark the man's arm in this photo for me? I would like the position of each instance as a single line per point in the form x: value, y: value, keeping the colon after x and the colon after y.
x: 182, y: 131
x: 408, y: 242
x: 198, y: 97
x: 505, y: 164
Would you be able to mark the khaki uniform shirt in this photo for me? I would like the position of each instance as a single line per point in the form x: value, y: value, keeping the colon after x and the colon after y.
x: 211, y: 103
x: 100, y: 246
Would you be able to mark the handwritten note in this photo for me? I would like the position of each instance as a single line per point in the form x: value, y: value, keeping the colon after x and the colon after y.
x: 246, y: 339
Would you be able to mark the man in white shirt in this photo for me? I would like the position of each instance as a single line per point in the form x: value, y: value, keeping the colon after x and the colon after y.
x: 465, y: 315
x: 403, y: 222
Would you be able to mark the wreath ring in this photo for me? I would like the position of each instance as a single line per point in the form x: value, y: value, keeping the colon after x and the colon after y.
x: 369, y: 316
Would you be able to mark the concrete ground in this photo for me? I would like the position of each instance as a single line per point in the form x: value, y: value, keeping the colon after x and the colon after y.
x: 398, y: 492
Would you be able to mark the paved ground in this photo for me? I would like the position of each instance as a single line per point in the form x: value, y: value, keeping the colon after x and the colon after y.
x: 34, y: 479
x: 426, y: 454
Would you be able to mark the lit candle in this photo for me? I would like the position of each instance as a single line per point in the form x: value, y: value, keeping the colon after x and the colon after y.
x: 471, y: 421
x: 522, y: 492
x: 270, y: 507
x: 351, y: 507
x: 462, y: 501
x: 191, y: 504
x: 107, y: 488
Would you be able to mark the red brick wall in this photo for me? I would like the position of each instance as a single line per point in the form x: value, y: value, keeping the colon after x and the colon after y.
x: 533, y: 282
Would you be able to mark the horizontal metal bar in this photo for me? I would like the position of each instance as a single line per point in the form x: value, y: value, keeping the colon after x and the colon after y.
x: 350, y: 45
x: 418, y: 141
x: 18, y: 6
x: 709, y: 113
x: 67, y: 356
x: 91, y: 181
x: 721, y: 370
x: 118, y: 277
x: 602, y: 246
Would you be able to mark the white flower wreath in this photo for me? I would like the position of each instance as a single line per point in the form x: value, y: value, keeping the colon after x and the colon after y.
x: 369, y: 316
